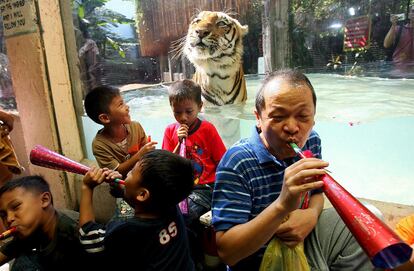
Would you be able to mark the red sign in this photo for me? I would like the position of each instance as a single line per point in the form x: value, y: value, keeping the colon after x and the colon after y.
x: 357, y: 33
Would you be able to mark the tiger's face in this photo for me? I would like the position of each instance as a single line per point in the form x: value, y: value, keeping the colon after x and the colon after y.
x: 214, y: 35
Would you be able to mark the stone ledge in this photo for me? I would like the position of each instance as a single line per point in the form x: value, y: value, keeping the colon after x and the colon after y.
x: 103, y: 202
x: 392, y: 212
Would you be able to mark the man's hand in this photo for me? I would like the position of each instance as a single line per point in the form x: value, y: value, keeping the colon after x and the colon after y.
x: 300, y: 223
x: 301, y: 177
x: 182, y: 132
x: 394, y: 20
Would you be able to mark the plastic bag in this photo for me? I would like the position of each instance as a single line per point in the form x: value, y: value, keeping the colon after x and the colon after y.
x: 279, y: 257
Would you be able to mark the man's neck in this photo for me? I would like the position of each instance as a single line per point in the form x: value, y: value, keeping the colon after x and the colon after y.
x: 277, y: 154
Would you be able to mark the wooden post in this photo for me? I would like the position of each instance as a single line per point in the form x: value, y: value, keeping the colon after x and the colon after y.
x: 163, y: 61
x: 276, y: 39
x: 40, y: 72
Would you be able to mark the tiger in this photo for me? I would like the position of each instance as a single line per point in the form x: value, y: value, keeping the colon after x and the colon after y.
x: 214, y: 45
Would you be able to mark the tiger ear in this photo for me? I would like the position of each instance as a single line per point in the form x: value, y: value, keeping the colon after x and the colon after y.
x: 244, y: 29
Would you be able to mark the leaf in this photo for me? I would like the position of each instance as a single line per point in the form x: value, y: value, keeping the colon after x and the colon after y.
x: 81, y: 11
x: 116, y: 46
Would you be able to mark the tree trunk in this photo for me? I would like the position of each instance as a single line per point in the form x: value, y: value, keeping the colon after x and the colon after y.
x: 276, y: 39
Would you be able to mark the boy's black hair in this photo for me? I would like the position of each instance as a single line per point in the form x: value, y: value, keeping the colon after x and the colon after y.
x: 32, y: 183
x: 168, y: 177
x: 291, y: 76
x: 97, y: 101
x: 184, y: 90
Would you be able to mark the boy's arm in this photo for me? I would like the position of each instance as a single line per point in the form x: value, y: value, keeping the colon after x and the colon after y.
x: 126, y: 166
x: 168, y: 142
x: 95, y: 176
x: 389, y: 38
x: 86, y: 213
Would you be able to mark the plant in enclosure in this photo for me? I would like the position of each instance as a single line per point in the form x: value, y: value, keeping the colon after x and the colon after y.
x: 95, y: 21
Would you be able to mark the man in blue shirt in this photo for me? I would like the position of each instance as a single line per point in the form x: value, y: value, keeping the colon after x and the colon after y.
x: 259, y: 183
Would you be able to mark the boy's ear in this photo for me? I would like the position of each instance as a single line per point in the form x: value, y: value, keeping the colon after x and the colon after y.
x: 200, y: 106
x: 143, y: 195
x: 46, y: 199
x: 104, y: 118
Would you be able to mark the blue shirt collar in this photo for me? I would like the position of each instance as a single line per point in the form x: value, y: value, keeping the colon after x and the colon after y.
x: 263, y: 155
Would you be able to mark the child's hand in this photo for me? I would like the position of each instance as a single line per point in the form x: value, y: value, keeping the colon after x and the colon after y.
x: 147, y: 147
x: 112, y: 175
x: 182, y: 132
x: 116, y: 190
x: 95, y: 176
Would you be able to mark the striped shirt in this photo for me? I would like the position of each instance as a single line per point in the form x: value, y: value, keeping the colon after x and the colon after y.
x: 248, y: 179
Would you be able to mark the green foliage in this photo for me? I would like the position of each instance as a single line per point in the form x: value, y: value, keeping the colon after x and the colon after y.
x: 96, y: 21
x: 116, y: 46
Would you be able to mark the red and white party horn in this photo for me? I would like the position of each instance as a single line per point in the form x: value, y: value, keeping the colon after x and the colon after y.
x: 44, y: 157
x: 380, y: 243
x: 8, y: 233
x: 184, y: 203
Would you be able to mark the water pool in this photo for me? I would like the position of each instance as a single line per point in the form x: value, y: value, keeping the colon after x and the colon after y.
x: 366, y: 125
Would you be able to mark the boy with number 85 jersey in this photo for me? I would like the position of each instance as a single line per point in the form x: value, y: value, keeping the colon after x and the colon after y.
x: 155, y: 238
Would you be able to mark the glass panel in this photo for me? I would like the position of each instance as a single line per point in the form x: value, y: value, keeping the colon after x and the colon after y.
x: 348, y: 37
x: 7, y: 98
x: 364, y: 92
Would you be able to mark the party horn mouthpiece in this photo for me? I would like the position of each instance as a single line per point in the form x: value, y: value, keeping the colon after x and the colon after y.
x: 8, y: 233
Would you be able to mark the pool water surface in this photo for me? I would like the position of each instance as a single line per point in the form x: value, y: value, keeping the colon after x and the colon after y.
x: 366, y: 125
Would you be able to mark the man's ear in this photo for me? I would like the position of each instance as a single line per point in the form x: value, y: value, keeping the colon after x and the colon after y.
x: 46, y: 199
x: 143, y: 195
x: 104, y: 118
x: 258, y: 121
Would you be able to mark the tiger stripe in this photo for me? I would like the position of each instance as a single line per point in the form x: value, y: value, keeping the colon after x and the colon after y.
x: 214, y: 44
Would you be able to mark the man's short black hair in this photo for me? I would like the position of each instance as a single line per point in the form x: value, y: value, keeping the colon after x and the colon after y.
x: 291, y: 76
x: 97, y: 101
x: 168, y: 177
x: 34, y: 183
x: 184, y: 90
